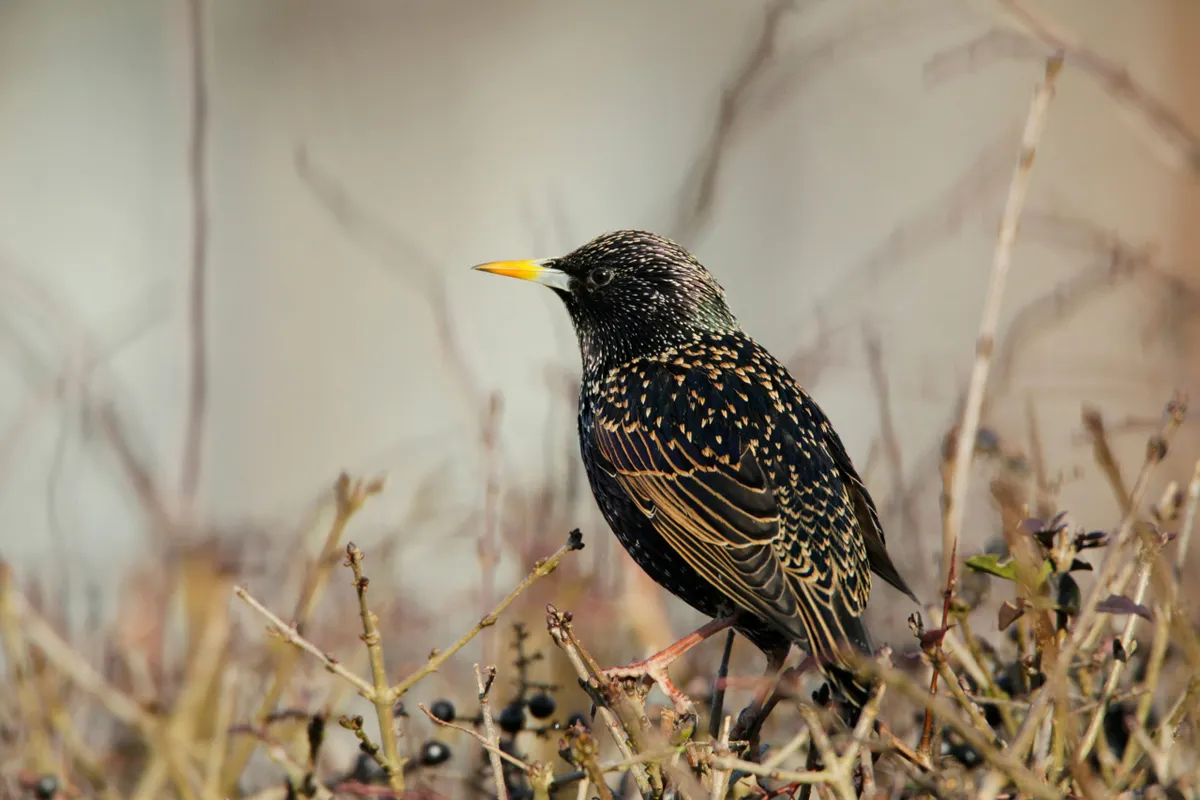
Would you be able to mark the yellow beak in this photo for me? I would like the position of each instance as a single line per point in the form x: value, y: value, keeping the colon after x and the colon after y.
x: 530, y: 270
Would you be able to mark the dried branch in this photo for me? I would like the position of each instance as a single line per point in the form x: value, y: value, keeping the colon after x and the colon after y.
x: 699, y: 195
x: 540, y: 570
x: 625, y: 735
x: 1189, y: 520
x: 292, y: 636
x: 380, y: 697
x: 489, y: 744
x: 16, y: 657
x: 349, y: 498
x: 198, y: 289
x: 489, y: 725
x: 1170, y: 133
x: 720, y: 777
x: 984, y: 345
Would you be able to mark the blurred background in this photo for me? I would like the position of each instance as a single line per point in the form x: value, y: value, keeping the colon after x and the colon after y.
x: 235, y: 241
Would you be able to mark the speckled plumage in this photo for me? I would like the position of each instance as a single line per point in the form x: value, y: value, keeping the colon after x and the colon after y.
x: 717, y: 472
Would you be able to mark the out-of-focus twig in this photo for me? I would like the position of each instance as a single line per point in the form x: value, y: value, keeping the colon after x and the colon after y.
x: 558, y: 623
x: 32, y: 717
x: 1173, y: 136
x: 402, y: 258
x: 700, y: 189
x: 540, y: 570
x: 1189, y: 520
x: 1088, y: 616
x: 290, y: 635
x: 198, y: 290
x: 349, y: 497
x: 985, y: 343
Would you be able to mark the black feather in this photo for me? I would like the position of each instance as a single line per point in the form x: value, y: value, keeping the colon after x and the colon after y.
x: 717, y: 472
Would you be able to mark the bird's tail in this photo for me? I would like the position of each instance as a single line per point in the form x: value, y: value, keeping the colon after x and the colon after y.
x: 841, y: 632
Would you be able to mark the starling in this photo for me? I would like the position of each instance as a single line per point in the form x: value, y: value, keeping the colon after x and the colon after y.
x: 718, y: 473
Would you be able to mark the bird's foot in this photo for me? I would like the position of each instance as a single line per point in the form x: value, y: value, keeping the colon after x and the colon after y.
x: 654, y: 669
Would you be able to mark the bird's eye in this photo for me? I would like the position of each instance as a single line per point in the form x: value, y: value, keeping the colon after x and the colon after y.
x: 599, y: 276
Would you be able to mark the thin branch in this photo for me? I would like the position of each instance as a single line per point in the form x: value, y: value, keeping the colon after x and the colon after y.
x: 349, y: 498
x: 540, y: 570
x: 489, y: 726
x: 393, y: 764
x: 985, y: 343
x: 1173, y: 136
x: 290, y: 635
x: 559, y: 626
x: 1156, y: 449
x: 720, y: 777
x: 15, y: 655
x: 696, y: 206
x: 492, y: 746
x: 1004, y: 761
x: 198, y: 290
x: 1189, y: 520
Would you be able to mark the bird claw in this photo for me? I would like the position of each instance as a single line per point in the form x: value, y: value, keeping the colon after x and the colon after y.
x: 656, y: 673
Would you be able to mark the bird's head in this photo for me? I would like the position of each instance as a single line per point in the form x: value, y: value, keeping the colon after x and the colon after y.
x: 629, y: 294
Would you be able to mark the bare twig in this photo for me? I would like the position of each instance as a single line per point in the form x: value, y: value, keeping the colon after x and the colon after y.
x: 945, y: 711
x: 349, y: 497
x: 198, y: 290
x: 700, y: 191
x: 1088, y: 616
x: 1189, y: 520
x: 1148, y: 551
x: 1170, y: 133
x: 15, y: 655
x: 292, y: 636
x: 489, y: 726
x: 492, y: 746
x: 380, y: 697
x: 985, y: 343
x: 720, y: 777
x: 559, y: 626
x: 540, y: 570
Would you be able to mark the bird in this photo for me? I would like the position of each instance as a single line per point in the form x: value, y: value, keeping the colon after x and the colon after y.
x: 716, y: 470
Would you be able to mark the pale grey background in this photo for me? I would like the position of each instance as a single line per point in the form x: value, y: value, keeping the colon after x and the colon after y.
x: 857, y: 196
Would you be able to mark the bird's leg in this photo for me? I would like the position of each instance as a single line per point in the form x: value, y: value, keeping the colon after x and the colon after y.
x: 655, y: 667
x: 752, y: 717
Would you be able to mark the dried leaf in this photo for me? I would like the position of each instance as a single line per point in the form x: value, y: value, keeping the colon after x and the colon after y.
x: 1009, y: 613
x: 1119, y: 604
x: 933, y: 638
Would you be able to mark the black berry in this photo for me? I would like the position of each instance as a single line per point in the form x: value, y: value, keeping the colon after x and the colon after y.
x: 512, y: 718
x: 578, y: 718
x: 541, y: 705
x: 443, y: 710
x: 434, y: 752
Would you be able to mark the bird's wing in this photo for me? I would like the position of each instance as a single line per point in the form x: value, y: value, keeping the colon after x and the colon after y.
x: 769, y: 549
x: 864, y: 506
